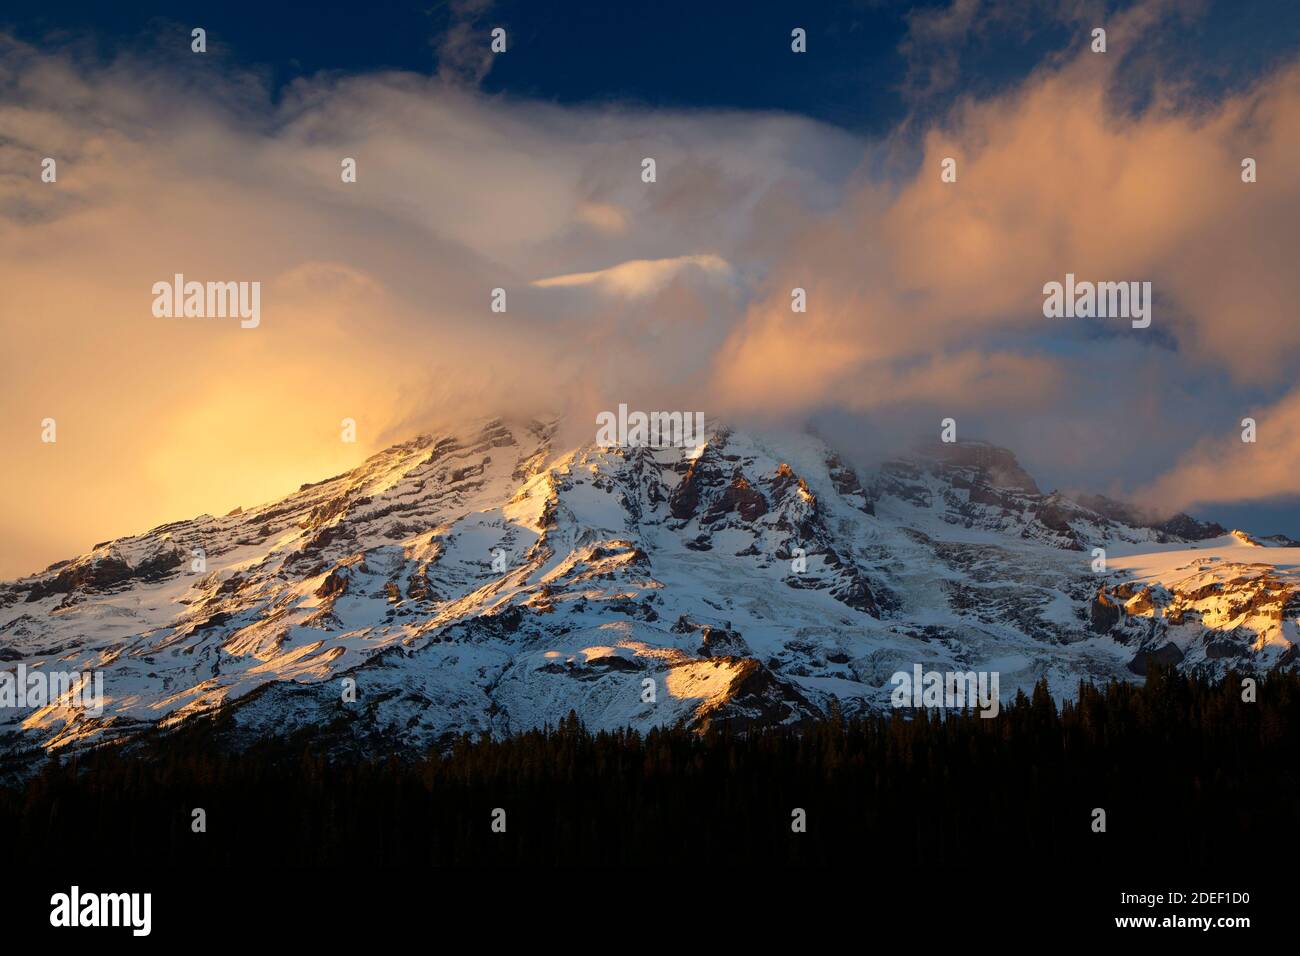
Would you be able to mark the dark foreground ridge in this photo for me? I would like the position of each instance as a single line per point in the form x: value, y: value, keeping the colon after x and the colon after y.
x: 1187, y: 773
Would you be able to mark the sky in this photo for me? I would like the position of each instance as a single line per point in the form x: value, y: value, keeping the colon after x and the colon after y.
x: 522, y: 170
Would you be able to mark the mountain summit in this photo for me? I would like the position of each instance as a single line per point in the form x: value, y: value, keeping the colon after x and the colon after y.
x: 493, y: 582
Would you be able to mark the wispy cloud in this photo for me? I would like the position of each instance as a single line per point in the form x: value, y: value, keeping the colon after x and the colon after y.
x: 640, y: 277
x: 464, y: 54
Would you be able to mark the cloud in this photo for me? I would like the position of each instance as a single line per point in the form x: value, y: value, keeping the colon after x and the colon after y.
x: 464, y: 50
x: 977, y: 46
x: 376, y: 294
x: 606, y: 218
x: 924, y: 298
x: 1224, y: 468
x: 640, y: 277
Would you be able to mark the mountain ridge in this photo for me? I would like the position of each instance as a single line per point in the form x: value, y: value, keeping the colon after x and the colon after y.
x: 492, y: 582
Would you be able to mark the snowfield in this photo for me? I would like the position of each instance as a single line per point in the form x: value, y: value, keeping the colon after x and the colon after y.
x: 753, y: 579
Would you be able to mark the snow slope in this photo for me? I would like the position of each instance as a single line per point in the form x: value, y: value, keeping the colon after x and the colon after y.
x: 751, y: 579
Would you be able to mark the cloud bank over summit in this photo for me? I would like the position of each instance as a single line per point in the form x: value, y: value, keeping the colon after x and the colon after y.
x: 924, y: 298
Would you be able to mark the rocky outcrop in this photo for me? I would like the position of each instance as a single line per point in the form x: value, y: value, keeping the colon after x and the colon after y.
x: 1178, y: 527
x: 1104, y: 613
x: 102, y: 572
x: 739, y: 498
x: 1163, y: 656
x: 756, y: 697
x: 722, y: 642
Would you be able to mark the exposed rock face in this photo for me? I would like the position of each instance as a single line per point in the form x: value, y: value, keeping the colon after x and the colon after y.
x: 721, y: 642
x: 335, y: 583
x: 490, y: 581
x: 1206, y: 615
x: 1105, y: 613
x: 703, y: 475
x: 987, y: 466
x: 105, y: 569
x: 1179, y: 527
x: 976, y: 485
x: 755, y: 697
x: 1164, y: 655
x: 847, y: 484
x: 739, y: 498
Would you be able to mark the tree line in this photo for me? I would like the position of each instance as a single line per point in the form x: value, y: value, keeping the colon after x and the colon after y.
x: 1185, y: 770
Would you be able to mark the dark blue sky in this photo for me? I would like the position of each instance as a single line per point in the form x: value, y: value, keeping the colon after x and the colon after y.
x: 668, y: 52
x: 664, y: 53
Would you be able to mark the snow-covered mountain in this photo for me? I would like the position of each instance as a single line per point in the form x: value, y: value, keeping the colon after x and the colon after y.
x: 493, y: 581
